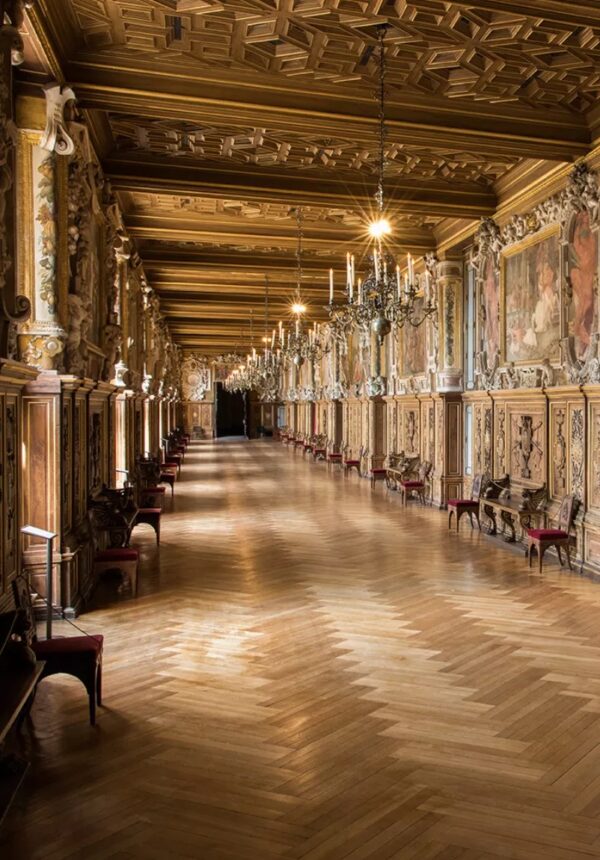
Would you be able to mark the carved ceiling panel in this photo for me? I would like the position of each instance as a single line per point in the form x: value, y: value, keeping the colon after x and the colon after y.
x: 266, y: 147
x: 455, y: 50
x: 172, y: 204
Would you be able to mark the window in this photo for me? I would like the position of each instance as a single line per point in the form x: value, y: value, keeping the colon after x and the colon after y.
x: 468, y: 440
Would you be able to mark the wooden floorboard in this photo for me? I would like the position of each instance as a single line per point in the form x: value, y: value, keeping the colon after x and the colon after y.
x: 311, y: 671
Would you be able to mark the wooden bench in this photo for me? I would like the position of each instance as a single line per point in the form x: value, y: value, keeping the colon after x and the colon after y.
x: 524, y: 511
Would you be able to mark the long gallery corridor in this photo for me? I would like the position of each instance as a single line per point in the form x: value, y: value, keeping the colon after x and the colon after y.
x: 311, y: 671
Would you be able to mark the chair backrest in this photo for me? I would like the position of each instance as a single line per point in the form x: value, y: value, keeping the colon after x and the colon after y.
x: 567, y: 512
x: 425, y: 470
x: 476, y: 488
x: 22, y: 598
x: 104, y: 518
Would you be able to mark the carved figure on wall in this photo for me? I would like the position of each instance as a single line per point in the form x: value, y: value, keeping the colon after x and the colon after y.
x: 76, y: 349
x: 95, y: 453
x: 487, y: 441
x: 583, y: 370
x: 525, y: 444
x: 577, y: 452
x: 112, y: 346
x: 583, y: 280
x: 500, y: 442
x: 486, y: 369
x: 560, y: 452
x: 411, y: 431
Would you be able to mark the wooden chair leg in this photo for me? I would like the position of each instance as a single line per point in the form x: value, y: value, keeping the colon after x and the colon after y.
x: 450, y: 513
x: 568, y: 552
x: 541, y: 551
x: 529, y: 551
x: 458, y: 516
x: 559, y: 553
x: 99, y: 685
x: 478, y: 520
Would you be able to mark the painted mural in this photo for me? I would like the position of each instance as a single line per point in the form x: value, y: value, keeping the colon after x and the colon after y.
x: 491, y: 305
x: 414, y: 347
x: 531, y: 281
x: 583, y: 273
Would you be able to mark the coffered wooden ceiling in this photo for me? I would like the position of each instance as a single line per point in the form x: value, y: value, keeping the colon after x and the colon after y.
x: 217, y: 120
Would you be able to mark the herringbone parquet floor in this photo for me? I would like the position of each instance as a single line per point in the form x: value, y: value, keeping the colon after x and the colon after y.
x: 311, y: 671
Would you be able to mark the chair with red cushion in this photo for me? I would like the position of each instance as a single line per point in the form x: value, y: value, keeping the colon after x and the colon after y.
x: 152, y: 497
x: 416, y: 486
x: 350, y: 462
x: 105, y: 519
x: 334, y: 458
x: 560, y: 537
x: 150, y: 516
x: 79, y: 656
x: 458, y: 507
x: 379, y: 474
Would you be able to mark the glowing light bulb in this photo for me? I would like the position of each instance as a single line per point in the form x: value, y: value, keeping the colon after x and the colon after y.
x: 380, y: 228
x: 298, y: 308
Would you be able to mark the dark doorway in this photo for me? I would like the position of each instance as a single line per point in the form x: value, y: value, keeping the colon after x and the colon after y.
x: 231, y: 413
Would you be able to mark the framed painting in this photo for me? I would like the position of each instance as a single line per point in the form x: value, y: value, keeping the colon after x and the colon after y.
x: 414, y: 346
x: 530, y: 282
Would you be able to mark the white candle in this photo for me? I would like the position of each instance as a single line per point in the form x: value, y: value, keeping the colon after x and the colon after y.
x: 348, y: 278
x: 331, y: 286
x: 352, y: 273
x: 398, y: 281
x: 280, y: 331
x: 297, y: 327
x: 376, y: 262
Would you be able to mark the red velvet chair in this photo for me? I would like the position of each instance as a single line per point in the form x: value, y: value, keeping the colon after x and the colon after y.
x: 153, y: 497
x: 350, y: 463
x: 458, y: 507
x: 416, y: 486
x: 334, y: 458
x: 150, y: 516
x: 560, y: 537
x: 79, y: 656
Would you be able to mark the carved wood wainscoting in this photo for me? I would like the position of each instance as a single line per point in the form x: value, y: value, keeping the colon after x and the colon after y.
x: 69, y: 452
x: 355, y: 425
x: 13, y: 378
x: 591, y: 520
x: 199, y: 419
x: 261, y: 415
x: 485, y: 435
x: 447, y: 482
x: 566, y: 453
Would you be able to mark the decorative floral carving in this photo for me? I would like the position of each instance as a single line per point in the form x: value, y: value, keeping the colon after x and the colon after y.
x: 560, y: 452
x: 577, y: 452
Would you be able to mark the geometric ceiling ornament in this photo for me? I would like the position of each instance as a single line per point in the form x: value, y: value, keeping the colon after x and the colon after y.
x: 269, y: 148
x: 463, y: 51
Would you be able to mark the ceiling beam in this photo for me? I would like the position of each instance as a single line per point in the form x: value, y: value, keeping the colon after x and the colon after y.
x: 209, y: 97
x: 354, y: 191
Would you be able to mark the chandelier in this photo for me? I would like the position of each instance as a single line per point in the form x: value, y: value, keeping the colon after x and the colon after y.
x: 300, y: 343
x: 383, y: 297
x: 261, y: 370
